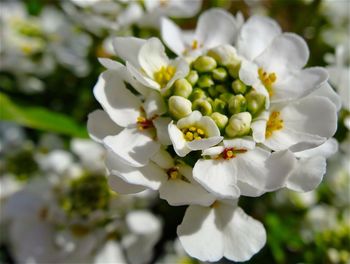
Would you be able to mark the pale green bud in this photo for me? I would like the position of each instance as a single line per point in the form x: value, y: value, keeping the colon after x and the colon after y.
x: 202, y: 106
x: 182, y: 88
x: 239, y: 124
x: 226, y: 97
x: 255, y: 102
x: 219, y: 119
x: 212, y: 91
x: 198, y: 94
x: 219, y: 106
x: 238, y: 87
x: 237, y: 104
x: 220, y: 74
x: 204, y: 64
x: 179, y: 107
x: 221, y: 88
x: 192, y: 77
x: 224, y: 54
x: 233, y: 70
x: 205, y: 81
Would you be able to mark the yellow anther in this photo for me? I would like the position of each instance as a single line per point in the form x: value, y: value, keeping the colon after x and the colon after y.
x: 164, y: 75
x: 200, y: 132
x: 197, y: 138
x: 229, y: 154
x: 273, y: 124
x: 194, y: 44
x: 193, y: 129
x: 189, y: 136
x: 174, y: 175
x: 267, y: 80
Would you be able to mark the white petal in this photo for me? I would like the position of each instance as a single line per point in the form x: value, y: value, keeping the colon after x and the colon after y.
x: 199, y: 234
x: 150, y: 176
x: 179, y: 192
x: 218, y: 177
x: 205, y: 143
x: 209, y: 22
x: 307, y: 175
x: 210, y: 127
x: 240, y: 143
x: 243, y: 235
x: 327, y: 149
x: 163, y: 159
x: 122, y: 187
x: 248, y: 73
x: 259, y: 130
x: 187, y: 121
x: 299, y: 84
x: 161, y: 125
x: 172, y: 36
x: 255, y: 36
x: 110, y: 253
x: 128, y: 48
x: 178, y: 140
x: 143, y: 222
x: 286, y: 53
x: 111, y: 64
x: 154, y: 105
x: 152, y: 56
x: 182, y: 69
x: 99, y: 125
x: 249, y: 190
x: 120, y: 104
x: 327, y: 91
x: 214, y: 151
x: 144, y: 80
x: 132, y: 146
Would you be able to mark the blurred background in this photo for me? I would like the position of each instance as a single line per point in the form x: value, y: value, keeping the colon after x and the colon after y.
x: 54, y: 198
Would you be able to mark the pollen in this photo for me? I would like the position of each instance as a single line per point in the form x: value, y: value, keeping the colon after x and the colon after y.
x: 267, y: 80
x: 230, y: 153
x: 194, y: 44
x: 273, y: 124
x: 193, y: 133
x: 143, y: 123
x: 164, y: 75
x: 173, y: 173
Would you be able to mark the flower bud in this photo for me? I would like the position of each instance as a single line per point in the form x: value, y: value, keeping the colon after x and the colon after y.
x: 224, y: 54
x: 204, y: 64
x: 219, y: 119
x: 202, y: 106
x: 233, y: 69
x: 226, y: 97
x: 220, y: 74
x: 205, y: 81
x: 192, y: 77
x: 179, y: 107
x: 237, y: 104
x: 238, y: 87
x: 182, y: 88
x: 221, y: 88
x: 219, y: 106
x: 198, y: 94
x: 212, y: 91
x: 255, y: 102
x: 239, y: 124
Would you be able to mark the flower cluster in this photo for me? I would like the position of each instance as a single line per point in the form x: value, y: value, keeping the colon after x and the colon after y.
x: 235, y: 114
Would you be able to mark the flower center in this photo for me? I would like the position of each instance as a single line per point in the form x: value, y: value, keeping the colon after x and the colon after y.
x: 144, y: 123
x: 273, y: 124
x: 230, y: 153
x: 193, y: 133
x: 267, y: 80
x: 164, y: 75
x: 174, y: 174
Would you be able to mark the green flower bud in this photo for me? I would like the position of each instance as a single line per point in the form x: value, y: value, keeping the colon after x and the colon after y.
x: 198, y: 94
x: 237, y: 104
x: 192, y: 77
x: 204, y: 64
x: 226, y: 97
x: 233, y: 69
x: 179, y: 107
x: 220, y: 74
x: 221, y: 88
x: 202, y: 106
x: 255, y: 102
x: 182, y: 88
x: 238, y: 87
x: 219, y: 119
x: 212, y: 91
x: 205, y: 81
x: 239, y: 125
x: 219, y: 106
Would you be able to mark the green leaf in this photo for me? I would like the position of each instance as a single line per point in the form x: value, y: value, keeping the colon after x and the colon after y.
x: 39, y: 118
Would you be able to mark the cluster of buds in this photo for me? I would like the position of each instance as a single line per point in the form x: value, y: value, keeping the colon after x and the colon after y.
x: 214, y: 88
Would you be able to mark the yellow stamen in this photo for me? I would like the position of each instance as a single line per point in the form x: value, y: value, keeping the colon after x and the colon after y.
x: 194, y: 44
x: 267, y: 80
x: 193, y: 133
x: 164, y: 75
x: 273, y: 124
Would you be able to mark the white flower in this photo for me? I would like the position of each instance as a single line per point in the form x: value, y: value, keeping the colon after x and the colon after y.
x: 194, y: 132
x: 221, y: 230
x: 206, y: 35
x: 148, y: 63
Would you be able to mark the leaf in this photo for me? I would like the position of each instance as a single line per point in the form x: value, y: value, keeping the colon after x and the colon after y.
x: 39, y: 118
